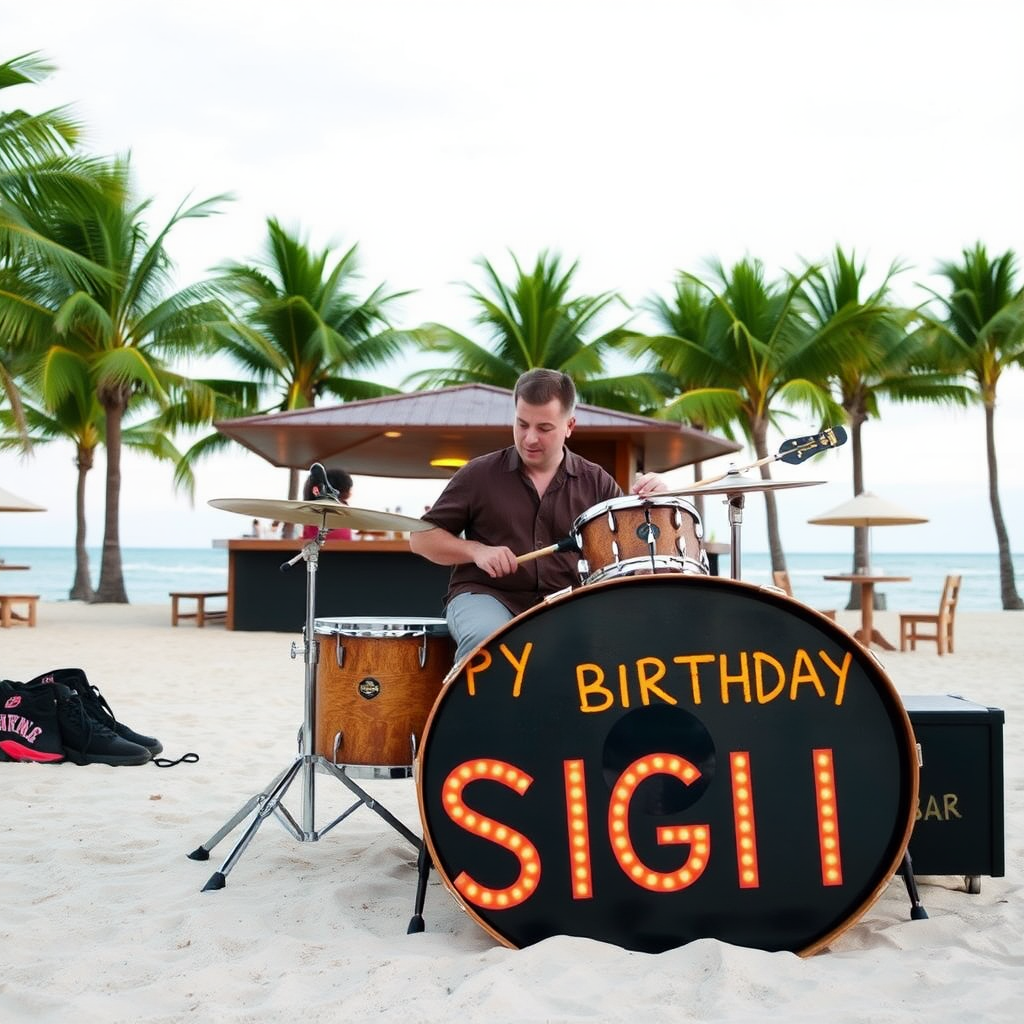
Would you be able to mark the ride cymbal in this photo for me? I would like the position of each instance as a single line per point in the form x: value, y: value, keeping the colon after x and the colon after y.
x: 328, y: 514
x: 735, y: 483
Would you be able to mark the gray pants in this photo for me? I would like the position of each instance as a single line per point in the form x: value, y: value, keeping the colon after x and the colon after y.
x: 472, y: 618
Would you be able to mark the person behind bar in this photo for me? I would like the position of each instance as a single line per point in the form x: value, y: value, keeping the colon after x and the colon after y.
x: 342, y: 483
x: 512, y: 501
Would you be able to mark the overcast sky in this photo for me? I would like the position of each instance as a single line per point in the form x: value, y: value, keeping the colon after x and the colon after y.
x: 638, y: 138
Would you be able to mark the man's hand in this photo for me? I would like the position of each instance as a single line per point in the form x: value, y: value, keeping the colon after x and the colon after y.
x: 446, y: 549
x: 648, y: 483
x: 495, y: 561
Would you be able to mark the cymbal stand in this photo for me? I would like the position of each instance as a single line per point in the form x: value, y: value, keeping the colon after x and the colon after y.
x: 269, y: 800
x: 735, y: 528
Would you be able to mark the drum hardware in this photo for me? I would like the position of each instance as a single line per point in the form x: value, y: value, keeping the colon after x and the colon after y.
x: 269, y: 801
x: 382, y: 771
x: 917, y: 911
x: 339, y: 653
x: 735, y: 502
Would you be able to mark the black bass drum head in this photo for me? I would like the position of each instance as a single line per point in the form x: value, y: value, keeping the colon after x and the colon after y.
x: 656, y: 759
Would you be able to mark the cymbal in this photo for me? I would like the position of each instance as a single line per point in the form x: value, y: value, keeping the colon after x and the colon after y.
x: 327, y: 514
x: 736, y: 483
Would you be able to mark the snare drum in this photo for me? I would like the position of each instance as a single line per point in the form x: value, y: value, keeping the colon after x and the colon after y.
x: 657, y: 759
x: 632, y: 536
x: 376, y: 681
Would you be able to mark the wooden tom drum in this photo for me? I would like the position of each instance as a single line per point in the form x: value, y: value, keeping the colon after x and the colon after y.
x: 632, y: 536
x: 376, y: 680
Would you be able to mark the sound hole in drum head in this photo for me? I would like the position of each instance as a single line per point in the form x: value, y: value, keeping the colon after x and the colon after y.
x: 656, y: 759
x: 660, y: 728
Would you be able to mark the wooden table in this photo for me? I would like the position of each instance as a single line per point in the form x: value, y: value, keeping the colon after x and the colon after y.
x: 7, y: 612
x: 867, y: 634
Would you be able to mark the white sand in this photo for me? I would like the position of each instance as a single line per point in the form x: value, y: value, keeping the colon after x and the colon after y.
x: 103, y: 919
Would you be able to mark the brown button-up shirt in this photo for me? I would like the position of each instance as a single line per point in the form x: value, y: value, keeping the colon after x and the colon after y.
x: 493, y: 501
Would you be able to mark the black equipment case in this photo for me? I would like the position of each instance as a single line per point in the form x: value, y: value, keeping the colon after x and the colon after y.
x: 959, y: 825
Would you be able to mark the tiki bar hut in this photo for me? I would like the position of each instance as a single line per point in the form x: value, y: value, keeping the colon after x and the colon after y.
x: 421, y: 435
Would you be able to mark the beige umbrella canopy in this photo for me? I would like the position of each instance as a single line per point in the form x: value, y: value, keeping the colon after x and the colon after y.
x: 867, y: 509
x: 12, y: 503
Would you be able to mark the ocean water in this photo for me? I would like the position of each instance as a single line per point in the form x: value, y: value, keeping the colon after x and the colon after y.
x: 151, y: 573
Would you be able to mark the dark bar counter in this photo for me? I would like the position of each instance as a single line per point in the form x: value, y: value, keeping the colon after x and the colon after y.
x: 353, y: 578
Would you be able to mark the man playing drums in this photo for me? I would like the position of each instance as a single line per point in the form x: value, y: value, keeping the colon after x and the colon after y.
x: 521, y: 498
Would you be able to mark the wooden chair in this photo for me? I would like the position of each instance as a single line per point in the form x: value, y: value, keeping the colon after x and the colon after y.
x: 941, y: 621
x: 781, y: 578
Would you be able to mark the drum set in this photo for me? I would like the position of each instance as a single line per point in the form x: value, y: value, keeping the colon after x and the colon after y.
x: 655, y: 756
x: 364, y: 700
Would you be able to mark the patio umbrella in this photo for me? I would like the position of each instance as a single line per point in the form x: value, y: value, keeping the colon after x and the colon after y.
x: 867, y: 510
x: 12, y: 503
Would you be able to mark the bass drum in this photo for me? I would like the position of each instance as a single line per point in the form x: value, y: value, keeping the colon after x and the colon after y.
x: 656, y: 759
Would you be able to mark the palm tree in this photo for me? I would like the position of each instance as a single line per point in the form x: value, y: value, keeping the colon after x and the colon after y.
x: 982, y: 335
x: 752, y: 355
x: 38, y: 167
x: 884, y: 365
x: 685, y: 315
x: 297, y: 326
x: 535, y: 321
x: 77, y: 417
x: 126, y: 325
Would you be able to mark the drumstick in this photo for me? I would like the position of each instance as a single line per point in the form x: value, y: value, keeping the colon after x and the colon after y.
x: 794, y: 451
x: 565, y: 544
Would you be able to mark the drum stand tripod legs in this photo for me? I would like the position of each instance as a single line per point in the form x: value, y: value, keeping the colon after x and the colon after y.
x: 269, y: 800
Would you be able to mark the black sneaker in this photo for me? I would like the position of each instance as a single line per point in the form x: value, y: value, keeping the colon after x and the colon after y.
x: 89, y: 740
x: 96, y: 705
x: 29, y: 730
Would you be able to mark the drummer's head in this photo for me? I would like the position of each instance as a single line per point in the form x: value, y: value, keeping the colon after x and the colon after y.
x: 545, y: 400
x: 540, y: 386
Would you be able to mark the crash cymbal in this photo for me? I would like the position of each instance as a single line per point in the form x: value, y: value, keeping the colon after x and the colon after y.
x: 328, y: 514
x: 736, y: 483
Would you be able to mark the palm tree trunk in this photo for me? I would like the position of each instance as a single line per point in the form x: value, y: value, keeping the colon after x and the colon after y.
x: 111, y: 587
x: 81, y: 589
x: 698, y: 499
x: 1007, y: 584
x: 288, y: 529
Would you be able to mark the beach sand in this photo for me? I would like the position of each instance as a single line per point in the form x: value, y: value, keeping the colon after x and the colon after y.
x: 103, y: 918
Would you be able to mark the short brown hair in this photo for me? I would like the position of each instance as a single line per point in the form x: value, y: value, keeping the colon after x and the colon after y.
x: 539, y: 386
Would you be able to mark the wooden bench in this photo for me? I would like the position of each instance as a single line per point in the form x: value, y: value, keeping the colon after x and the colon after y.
x: 202, y: 614
x: 8, y: 616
